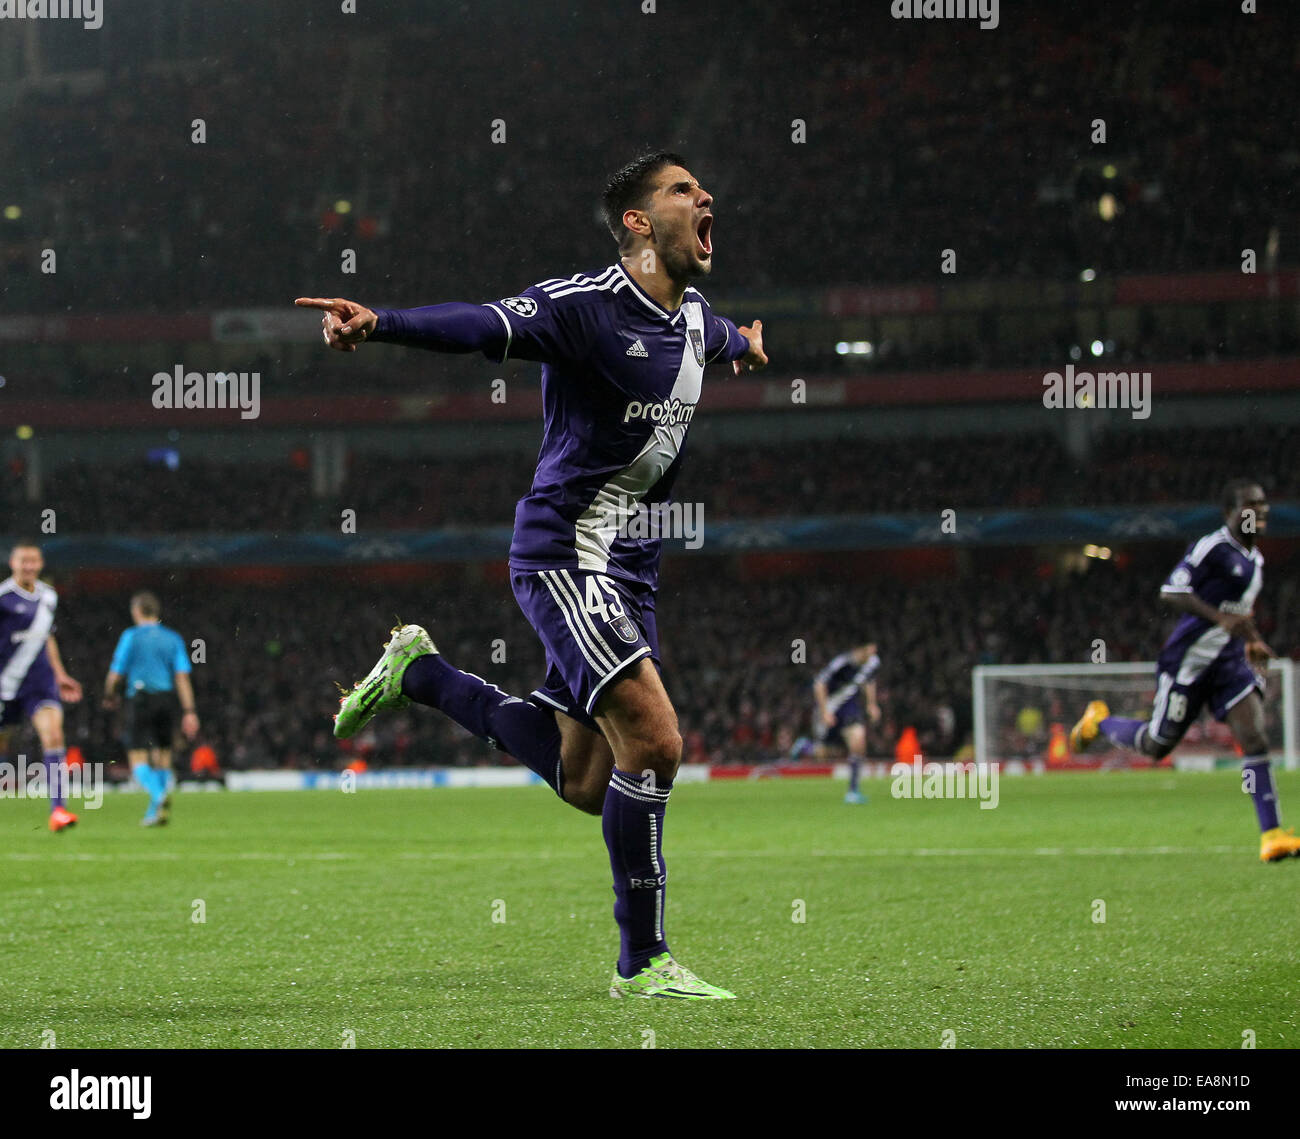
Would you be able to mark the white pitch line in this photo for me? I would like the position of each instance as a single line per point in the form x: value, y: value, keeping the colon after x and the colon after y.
x: 481, y: 856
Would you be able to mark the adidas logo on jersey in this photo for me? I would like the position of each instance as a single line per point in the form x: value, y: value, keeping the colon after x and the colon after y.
x: 638, y: 349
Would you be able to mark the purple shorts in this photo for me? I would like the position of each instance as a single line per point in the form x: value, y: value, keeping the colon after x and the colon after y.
x: 1224, y: 683
x: 37, y: 689
x: 593, y: 627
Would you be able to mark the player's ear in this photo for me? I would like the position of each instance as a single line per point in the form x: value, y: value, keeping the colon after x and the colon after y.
x: 638, y: 222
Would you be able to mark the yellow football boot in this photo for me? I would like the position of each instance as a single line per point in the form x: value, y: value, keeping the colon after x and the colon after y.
x: 1085, y: 731
x: 1277, y: 844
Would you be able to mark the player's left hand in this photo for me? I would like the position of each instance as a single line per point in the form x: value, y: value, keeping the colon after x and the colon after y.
x: 874, y: 713
x: 1258, y: 653
x: 755, y: 358
x: 190, y: 725
x: 69, y: 689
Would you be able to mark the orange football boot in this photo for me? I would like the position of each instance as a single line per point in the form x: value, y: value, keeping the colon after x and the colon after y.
x: 61, y: 817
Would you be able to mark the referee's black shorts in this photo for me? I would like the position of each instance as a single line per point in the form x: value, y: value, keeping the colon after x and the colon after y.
x: 150, y: 720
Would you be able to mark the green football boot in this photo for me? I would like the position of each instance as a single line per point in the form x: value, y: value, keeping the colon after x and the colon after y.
x: 382, y: 689
x: 663, y: 977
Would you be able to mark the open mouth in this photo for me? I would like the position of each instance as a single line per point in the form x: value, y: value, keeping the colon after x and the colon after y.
x: 702, y: 235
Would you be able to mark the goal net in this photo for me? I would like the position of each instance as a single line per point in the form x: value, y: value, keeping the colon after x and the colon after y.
x: 1024, y: 711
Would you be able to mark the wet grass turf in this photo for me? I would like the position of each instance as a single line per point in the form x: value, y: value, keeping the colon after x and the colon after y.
x: 373, y: 914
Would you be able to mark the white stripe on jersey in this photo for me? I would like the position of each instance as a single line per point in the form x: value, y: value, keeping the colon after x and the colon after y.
x: 595, y: 531
x: 34, y: 638
x: 1201, y: 653
x: 607, y: 286
x: 579, y: 279
x: 1204, y: 546
x: 510, y: 332
x: 842, y: 696
x: 846, y: 691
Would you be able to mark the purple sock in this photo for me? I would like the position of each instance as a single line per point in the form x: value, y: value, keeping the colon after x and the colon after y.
x: 1122, y: 732
x: 633, y: 824
x: 520, y: 729
x: 1261, y: 790
x: 855, y: 769
x: 54, y: 775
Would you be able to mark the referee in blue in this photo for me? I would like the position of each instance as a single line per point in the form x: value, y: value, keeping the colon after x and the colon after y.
x: 151, y: 659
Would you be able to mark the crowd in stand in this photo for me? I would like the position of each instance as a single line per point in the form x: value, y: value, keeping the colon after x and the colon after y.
x: 915, y: 141
x: 739, y: 652
x: 730, y: 482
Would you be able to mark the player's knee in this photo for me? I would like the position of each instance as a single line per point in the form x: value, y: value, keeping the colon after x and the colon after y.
x: 660, y: 754
x: 1253, y: 743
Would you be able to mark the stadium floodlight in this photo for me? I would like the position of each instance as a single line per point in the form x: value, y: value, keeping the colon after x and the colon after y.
x: 1001, y: 692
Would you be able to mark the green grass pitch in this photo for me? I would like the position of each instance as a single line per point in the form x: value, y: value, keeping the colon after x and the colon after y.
x: 372, y: 914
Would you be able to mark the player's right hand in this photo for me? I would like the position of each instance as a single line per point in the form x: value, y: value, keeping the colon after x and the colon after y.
x: 828, y: 717
x: 345, y: 323
x: 1240, y: 626
x: 755, y: 358
x: 1258, y: 653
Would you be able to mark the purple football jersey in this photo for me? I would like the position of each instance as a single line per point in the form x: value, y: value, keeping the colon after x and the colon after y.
x: 1225, y: 575
x: 621, y: 379
x: 844, y: 678
x: 25, y: 623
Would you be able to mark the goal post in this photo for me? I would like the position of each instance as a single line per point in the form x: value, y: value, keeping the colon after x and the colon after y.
x: 1020, y: 711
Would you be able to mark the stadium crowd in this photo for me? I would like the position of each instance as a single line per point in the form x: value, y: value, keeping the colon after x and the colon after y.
x: 959, y: 139
x: 739, y: 652
x: 733, y: 481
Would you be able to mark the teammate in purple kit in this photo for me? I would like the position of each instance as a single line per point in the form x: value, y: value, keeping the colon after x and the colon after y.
x: 33, y: 682
x: 623, y: 353
x: 1214, y: 656
x: 844, y: 693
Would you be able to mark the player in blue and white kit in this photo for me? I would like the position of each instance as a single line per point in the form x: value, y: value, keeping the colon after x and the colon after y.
x: 1215, y: 657
x: 845, y: 695
x: 33, y: 681
x: 623, y: 351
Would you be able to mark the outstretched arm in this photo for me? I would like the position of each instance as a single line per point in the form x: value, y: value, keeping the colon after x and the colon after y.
x: 452, y: 327
x: 754, y: 358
